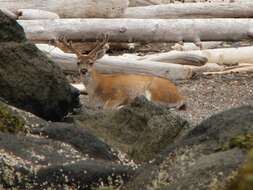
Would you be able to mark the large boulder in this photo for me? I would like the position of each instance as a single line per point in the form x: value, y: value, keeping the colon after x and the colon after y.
x: 206, y: 157
x: 141, y: 129
x: 28, y: 79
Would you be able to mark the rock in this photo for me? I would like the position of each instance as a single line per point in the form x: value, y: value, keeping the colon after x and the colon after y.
x: 243, y: 179
x: 79, y: 138
x: 36, y: 154
x: 9, y: 121
x: 36, y: 163
x: 83, y: 175
x: 10, y: 30
x: 28, y: 79
x: 141, y: 129
x: 205, y: 156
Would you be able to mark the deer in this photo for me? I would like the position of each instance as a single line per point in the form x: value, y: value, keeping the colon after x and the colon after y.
x: 111, y: 91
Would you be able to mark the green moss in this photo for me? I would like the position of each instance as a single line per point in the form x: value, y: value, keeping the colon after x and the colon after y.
x: 9, y: 122
x: 243, y: 141
x: 244, y: 179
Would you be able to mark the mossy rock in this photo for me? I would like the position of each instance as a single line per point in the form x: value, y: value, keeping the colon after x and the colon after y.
x: 10, y: 122
x: 243, y: 141
x: 244, y: 179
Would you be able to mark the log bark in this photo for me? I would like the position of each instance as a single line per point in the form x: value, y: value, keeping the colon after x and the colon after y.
x: 227, y: 56
x: 192, y: 10
x: 71, y: 9
x: 35, y: 14
x: 140, y: 30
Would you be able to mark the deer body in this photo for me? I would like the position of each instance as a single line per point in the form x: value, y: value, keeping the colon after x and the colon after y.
x: 114, y: 90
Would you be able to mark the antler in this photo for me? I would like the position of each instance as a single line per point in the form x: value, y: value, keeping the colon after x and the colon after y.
x: 69, y: 46
x: 100, y: 48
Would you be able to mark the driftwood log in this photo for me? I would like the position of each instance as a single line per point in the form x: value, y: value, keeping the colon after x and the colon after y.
x: 140, y: 30
x: 192, y: 10
x: 114, y: 64
x: 71, y: 9
x: 35, y: 14
x: 192, y: 46
x: 227, y: 56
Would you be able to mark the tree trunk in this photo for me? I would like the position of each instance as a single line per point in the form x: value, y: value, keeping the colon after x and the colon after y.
x: 140, y: 30
x: 71, y: 9
x: 192, y: 10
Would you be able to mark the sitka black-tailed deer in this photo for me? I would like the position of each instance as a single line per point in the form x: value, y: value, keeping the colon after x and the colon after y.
x: 114, y: 90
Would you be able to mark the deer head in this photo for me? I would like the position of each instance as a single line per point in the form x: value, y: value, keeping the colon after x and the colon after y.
x: 86, y: 61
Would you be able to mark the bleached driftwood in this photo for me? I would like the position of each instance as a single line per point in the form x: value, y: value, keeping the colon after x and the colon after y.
x: 9, y: 13
x: 80, y: 87
x: 113, y: 64
x: 192, y: 46
x: 228, y: 56
x: 170, y: 71
x: 136, y: 3
x: 192, y: 10
x: 71, y: 9
x: 238, y: 69
x: 140, y: 30
x: 35, y: 14
x: 209, y: 67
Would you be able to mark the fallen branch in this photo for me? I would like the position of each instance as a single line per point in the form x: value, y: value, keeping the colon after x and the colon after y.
x: 192, y: 10
x: 140, y: 30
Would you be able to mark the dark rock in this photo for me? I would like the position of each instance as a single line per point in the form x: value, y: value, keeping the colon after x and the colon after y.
x: 141, y: 129
x: 52, y: 155
x: 83, y: 175
x: 204, y: 157
x: 28, y: 79
x: 80, y: 138
x: 36, y: 163
x: 10, y: 30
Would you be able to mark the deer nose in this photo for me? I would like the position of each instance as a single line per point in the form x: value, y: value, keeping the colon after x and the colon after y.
x: 83, y: 71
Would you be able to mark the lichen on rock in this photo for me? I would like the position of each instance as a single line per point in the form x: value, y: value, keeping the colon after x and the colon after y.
x: 10, y: 122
